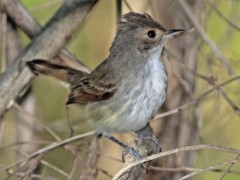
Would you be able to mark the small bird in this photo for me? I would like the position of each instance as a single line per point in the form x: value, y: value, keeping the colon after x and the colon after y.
x: 127, y: 89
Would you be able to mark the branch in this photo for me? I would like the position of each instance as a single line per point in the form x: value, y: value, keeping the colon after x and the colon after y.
x: 209, y: 168
x: 220, y: 14
x: 198, y: 99
x: 174, y: 151
x: 190, y: 169
x: 31, y: 27
x: 46, y: 45
x: 37, y: 121
x: 205, y: 37
x: 144, y: 147
x: 228, y: 170
x: 89, y: 170
x: 210, y: 80
x: 50, y: 147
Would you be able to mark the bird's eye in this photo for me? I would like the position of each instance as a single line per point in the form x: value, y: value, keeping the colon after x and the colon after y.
x: 151, y: 34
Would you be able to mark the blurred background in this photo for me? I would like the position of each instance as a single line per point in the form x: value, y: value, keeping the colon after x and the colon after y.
x: 206, y: 56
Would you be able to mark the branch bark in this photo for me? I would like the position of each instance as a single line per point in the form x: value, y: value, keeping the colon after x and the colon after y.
x: 89, y: 170
x: 145, y: 148
x: 46, y: 45
x: 31, y: 27
x: 178, y: 150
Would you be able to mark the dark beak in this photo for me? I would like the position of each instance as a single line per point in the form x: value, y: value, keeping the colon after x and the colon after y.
x: 174, y: 32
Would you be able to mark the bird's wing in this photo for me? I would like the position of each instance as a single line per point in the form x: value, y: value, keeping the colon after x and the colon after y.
x: 99, y: 85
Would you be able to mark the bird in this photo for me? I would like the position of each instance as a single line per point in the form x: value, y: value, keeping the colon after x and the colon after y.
x: 127, y: 89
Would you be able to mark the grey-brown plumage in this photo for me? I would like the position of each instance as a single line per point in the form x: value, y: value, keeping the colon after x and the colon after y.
x: 126, y: 89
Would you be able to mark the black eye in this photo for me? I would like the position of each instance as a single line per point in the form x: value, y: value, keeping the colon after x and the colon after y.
x: 151, y: 34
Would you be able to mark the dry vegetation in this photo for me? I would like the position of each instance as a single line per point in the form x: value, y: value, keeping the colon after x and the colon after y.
x: 198, y: 126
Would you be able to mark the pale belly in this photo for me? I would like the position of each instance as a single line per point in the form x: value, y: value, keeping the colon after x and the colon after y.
x: 132, y: 107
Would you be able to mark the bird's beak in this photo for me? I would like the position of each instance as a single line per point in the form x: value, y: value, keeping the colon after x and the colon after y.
x: 171, y: 33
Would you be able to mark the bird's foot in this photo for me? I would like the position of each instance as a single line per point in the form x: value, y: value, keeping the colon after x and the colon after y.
x: 147, y: 134
x: 130, y: 150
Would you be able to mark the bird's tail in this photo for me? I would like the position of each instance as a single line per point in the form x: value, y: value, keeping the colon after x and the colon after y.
x: 60, y: 72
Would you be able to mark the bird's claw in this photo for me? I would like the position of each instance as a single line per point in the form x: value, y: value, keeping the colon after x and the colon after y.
x: 135, y: 154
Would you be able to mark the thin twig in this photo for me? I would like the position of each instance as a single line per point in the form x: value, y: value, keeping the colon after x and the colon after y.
x: 75, y: 153
x: 89, y: 169
x: 177, y: 150
x: 228, y: 169
x: 3, y: 36
x: 128, y: 5
x: 195, y: 100
x: 24, y: 143
x: 205, y: 37
x: 230, y: 102
x: 20, y: 174
x: 53, y: 167
x: 3, y: 40
x: 33, y: 165
x: 119, y: 10
x: 49, y: 130
x: 209, y: 168
x: 220, y: 14
x: 105, y: 172
x: 211, y: 81
x: 69, y: 121
x: 49, y: 148
x: 188, y: 169
x: 198, y: 75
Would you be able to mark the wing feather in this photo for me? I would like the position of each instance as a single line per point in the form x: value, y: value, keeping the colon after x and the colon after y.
x: 93, y: 89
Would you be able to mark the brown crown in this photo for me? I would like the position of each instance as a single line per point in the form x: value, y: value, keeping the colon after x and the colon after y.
x: 143, y: 20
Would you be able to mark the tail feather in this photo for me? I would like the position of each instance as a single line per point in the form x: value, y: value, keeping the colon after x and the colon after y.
x: 63, y: 73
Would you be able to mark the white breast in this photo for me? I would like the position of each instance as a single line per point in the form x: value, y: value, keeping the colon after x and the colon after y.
x: 154, y: 89
x: 134, y: 103
x: 156, y: 86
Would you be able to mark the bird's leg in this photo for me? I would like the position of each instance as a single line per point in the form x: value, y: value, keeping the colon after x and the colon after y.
x: 146, y: 133
x: 69, y: 122
x: 126, y: 147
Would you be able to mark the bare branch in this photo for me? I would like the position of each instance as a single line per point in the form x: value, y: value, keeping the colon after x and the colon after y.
x: 74, y: 163
x: 33, y: 118
x: 31, y: 27
x: 60, y: 171
x: 46, y: 45
x: 205, y: 37
x: 144, y: 147
x: 3, y: 29
x: 209, y: 168
x: 196, y: 100
x: 188, y: 169
x: 230, y: 102
x: 177, y: 150
x: 50, y: 147
x: 219, y: 13
x: 128, y: 5
x: 89, y: 170
x: 119, y: 10
x: 211, y: 81
x: 106, y: 173
x: 229, y: 168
